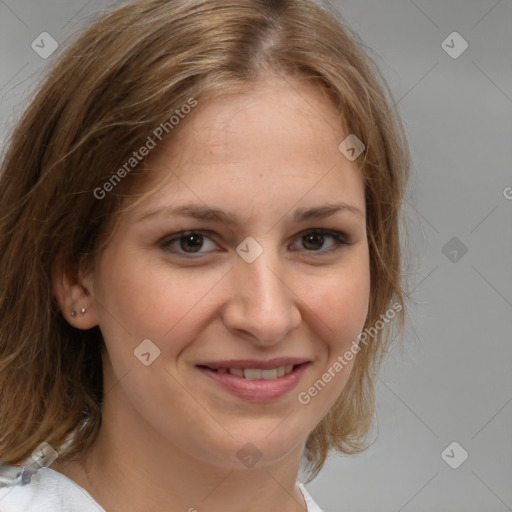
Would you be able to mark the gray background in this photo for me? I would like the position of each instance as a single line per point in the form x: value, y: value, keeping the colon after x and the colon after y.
x: 452, y: 380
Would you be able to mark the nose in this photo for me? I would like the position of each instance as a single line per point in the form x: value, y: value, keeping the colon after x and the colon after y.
x: 261, y: 306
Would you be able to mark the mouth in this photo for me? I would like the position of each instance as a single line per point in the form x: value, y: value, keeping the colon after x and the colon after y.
x: 255, y: 373
x: 256, y: 380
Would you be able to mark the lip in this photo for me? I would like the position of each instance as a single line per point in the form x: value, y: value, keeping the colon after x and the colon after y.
x: 254, y: 363
x: 258, y: 390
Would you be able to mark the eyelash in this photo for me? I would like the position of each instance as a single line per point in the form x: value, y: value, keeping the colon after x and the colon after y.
x: 339, y: 238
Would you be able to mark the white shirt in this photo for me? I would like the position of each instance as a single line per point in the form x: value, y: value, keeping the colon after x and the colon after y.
x: 47, y: 490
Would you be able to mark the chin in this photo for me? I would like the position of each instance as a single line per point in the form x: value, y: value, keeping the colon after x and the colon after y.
x: 252, y: 450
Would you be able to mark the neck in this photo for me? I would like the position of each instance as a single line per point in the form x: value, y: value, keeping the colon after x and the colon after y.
x: 130, y: 466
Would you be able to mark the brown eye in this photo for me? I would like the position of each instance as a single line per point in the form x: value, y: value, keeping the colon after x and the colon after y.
x: 189, y: 242
x: 316, y: 241
x: 313, y: 242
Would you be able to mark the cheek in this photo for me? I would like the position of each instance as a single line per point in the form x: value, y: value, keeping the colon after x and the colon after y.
x: 340, y: 312
x: 140, y: 301
x: 341, y: 305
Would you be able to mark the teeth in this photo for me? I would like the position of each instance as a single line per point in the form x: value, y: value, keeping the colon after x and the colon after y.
x: 255, y: 374
x: 236, y: 371
x: 268, y: 374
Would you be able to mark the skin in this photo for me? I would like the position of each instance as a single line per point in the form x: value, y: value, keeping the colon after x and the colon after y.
x: 170, y: 435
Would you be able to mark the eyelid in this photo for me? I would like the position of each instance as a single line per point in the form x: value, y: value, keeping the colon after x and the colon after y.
x: 341, y: 239
x: 167, y: 240
x: 342, y: 235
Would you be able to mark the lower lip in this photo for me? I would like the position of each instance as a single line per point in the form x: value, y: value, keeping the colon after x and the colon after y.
x: 258, y: 390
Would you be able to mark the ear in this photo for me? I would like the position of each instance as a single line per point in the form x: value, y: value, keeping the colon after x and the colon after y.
x: 74, y: 293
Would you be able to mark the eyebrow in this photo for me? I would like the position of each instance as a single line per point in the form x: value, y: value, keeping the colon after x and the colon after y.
x: 201, y: 212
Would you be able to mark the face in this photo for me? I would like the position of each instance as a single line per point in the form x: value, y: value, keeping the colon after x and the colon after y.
x: 253, y: 256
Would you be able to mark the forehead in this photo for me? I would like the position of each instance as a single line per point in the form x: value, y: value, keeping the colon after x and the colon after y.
x: 274, y: 112
x: 278, y: 141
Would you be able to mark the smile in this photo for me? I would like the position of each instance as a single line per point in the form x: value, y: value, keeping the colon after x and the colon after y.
x: 256, y: 384
x: 255, y: 373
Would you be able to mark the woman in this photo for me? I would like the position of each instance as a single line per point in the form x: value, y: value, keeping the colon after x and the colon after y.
x: 200, y: 260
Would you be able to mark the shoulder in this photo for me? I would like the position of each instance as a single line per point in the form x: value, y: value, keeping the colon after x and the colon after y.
x: 45, y: 490
x: 312, y: 506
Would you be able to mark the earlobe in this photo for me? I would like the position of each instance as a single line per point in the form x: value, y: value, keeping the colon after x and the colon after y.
x: 83, y: 311
x: 76, y: 302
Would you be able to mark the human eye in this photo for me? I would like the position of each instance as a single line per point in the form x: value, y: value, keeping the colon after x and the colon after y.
x: 314, y: 240
x: 191, y: 244
x: 188, y: 243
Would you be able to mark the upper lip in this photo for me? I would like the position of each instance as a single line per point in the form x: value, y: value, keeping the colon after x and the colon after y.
x: 254, y: 363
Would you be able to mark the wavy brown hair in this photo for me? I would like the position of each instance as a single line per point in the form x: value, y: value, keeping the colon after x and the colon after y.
x: 124, y: 75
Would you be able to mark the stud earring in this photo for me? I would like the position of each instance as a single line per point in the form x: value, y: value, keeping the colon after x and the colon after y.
x: 73, y: 313
x: 83, y: 310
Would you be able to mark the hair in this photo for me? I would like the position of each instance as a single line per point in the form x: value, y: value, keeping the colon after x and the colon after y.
x: 121, y: 77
